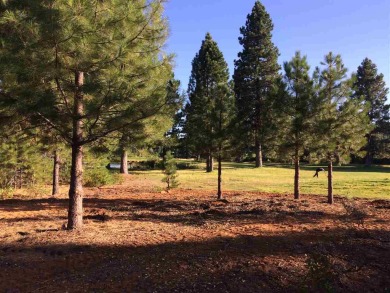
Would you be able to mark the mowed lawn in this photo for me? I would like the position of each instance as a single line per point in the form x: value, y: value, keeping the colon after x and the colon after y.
x: 350, y: 181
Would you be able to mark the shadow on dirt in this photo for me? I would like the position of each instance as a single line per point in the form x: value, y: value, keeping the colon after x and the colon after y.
x: 194, y: 212
x: 338, y: 260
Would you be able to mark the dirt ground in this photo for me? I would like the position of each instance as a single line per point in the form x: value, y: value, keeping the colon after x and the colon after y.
x: 136, y: 239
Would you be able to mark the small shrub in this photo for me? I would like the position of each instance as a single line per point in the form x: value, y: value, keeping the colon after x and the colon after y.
x: 7, y: 192
x: 169, y: 170
x: 38, y: 190
x: 187, y: 166
x: 98, y: 177
x: 145, y: 165
x: 321, y: 275
x: 354, y: 213
x: 158, y: 189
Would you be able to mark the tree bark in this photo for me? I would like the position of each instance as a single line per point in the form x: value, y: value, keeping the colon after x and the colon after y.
x: 124, y: 169
x: 330, y: 182
x: 75, y: 212
x: 258, y: 153
x: 296, y: 177
x: 20, y: 178
x: 209, y: 163
x: 56, y: 174
x: 219, y: 194
x: 368, y: 158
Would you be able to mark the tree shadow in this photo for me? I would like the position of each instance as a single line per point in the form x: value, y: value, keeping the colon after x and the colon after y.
x: 233, y: 165
x: 184, y: 212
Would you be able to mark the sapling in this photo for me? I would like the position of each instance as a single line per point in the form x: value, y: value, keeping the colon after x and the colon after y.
x: 169, y: 170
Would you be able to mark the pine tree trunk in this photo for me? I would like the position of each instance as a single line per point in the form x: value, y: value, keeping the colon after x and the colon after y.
x: 56, y: 174
x: 209, y: 163
x: 124, y: 169
x: 330, y: 182
x: 219, y: 175
x: 368, y: 158
x: 296, y: 178
x: 20, y: 178
x: 75, y: 212
x: 258, y: 153
x: 164, y: 152
x: 15, y: 178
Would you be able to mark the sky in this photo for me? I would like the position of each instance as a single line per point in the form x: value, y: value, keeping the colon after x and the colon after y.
x: 355, y: 29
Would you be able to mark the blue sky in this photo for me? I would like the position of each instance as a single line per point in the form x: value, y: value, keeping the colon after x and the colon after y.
x: 353, y: 28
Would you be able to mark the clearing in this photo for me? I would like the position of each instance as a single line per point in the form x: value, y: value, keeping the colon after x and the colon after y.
x: 348, y: 180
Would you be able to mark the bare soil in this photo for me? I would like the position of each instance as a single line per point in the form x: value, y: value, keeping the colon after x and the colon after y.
x: 136, y: 239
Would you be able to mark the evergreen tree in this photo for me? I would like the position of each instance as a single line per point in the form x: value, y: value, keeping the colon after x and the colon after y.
x: 370, y: 86
x: 256, y: 71
x: 22, y: 161
x: 300, y: 105
x: 209, y: 71
x: 129, y: 137
x: 87, y: 69
x: 169, y: 170
x: 152, y: 131
x: 223, y: 116
x: 176, y: 135
x: 342, y: 120
x: 52, y: 144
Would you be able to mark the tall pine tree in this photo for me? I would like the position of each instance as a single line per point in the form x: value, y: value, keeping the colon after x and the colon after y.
x: 370, y: 86
x: 300, y: 105
x: 342, y: 120
x: 224, y: 109
x: 209, y: 72
x: 85, y: 68
x: 256, y: 70
x: 151, y: 131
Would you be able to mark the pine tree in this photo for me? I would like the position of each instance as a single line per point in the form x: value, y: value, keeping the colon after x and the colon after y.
x: 342, y: 120
x: 224, y: 109
x: 370, y: 86
x: 256, y: 71
x: 22, y: 160
x: 129, y: 137
x: 169, y: 170
x: 152, y: 131
x: 52, y: 144
x: 299, y: 107
x: 209, y: 71
x: 86, y: 69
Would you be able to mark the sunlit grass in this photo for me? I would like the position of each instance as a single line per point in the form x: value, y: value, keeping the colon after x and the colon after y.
x: 351, y: 181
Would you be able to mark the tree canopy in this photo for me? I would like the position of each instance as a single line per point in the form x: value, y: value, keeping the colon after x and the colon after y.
x: 255, y: 73
x: 86, y: 68
x: 209, y: 72
x: 370, y: 86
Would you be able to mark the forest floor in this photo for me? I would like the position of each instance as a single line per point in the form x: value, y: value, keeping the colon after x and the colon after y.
x: 137, y: 239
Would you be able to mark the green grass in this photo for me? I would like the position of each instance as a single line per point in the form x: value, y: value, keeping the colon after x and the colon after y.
x: 351, y: 181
